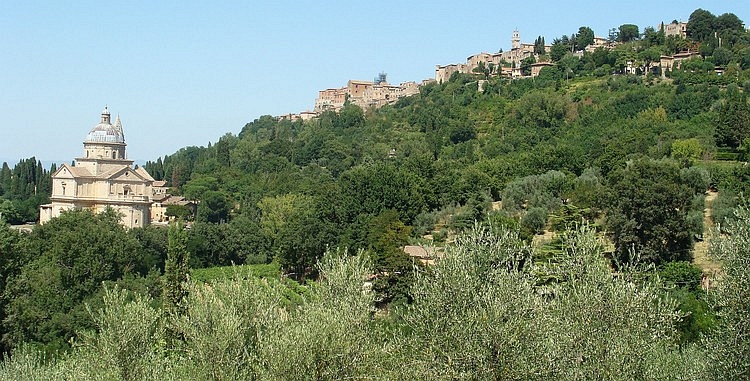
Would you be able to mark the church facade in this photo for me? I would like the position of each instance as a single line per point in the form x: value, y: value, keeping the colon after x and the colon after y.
x: 102, y: 178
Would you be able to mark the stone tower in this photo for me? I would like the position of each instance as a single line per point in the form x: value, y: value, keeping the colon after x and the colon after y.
x: 516, y: 41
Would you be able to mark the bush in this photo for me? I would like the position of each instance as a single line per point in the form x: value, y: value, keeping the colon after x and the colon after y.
x: 535, y: 220
x: 727, y: 347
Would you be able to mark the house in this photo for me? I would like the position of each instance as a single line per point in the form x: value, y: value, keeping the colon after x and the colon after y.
x: 538, y: 66
x: 675, y: 61
x: 675, y: 28
x: 161, y: 204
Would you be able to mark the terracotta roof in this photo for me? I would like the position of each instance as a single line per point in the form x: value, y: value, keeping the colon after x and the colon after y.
x: 176, y: 200
x: 159, y: 197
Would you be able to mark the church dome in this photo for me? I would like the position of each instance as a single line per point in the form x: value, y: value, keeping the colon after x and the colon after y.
x: 105, y: 132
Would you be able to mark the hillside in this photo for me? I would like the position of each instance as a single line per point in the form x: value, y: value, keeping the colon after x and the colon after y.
x: 618, y: 163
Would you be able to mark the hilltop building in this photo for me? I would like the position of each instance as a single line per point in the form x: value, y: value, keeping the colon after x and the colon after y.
x: 674, y: 28
x: 503, y: 63
x: 365, y: 94
x: 102, y: 178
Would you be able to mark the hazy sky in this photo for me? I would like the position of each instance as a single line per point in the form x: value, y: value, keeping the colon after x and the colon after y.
x: 185, y: 73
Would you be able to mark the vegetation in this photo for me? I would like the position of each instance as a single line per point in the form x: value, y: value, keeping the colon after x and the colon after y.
x: 23, y: 189
x: 483, y: 311
x: 293, y: 267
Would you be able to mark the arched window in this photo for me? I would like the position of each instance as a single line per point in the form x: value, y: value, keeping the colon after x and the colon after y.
x: 113, y: 154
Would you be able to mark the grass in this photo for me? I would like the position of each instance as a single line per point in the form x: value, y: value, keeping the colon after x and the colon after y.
x: 209, y: 274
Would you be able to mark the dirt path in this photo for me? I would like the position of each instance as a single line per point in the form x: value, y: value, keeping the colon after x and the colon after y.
x: 700, y: 252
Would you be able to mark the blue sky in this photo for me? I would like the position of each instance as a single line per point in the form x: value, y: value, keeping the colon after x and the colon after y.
x: 183, y: 73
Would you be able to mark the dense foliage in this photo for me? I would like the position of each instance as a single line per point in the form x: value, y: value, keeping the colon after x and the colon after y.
x: 483, y: 311
x: 23, y: 189
x: 615, y: 164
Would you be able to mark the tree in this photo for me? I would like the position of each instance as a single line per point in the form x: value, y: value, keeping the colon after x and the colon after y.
x: 350, y: 116
x: 72, y: 255
x: 372, y: 189
x: 538, y: 110
x: 225, y: 144
x: 213, y: 207
x: 652, y: 37
x: 729, y: 349
x: 483, y: 69
x: 176, y: 270
x: 649, y: 56
x: 728, y: 22
x: 722, y: 56
x: 386, y: 238
x: 484, y: 281
x: 539, y: 47
x: 558, y: 50
x: 526, y: 65
x: 584, y: 38
x: 195, y: 188
x: 628, y: 32
x: 733, y: 122
x: 11, y: 261
x: 277, y: 211
x: 612, y: 36
x: 6, y: 175
x: 180, y: 212
x: 701, y: 25
x: 648, y: 213
x: 569, y: 64
x: 686, y: 151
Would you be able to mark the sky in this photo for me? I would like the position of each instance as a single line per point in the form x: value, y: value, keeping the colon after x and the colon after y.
x: 185, y: 73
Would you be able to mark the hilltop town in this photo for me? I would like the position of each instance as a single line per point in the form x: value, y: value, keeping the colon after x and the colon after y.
x: 523, y: 60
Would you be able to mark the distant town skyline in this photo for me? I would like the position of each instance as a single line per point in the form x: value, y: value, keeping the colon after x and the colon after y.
x: 184, y: 73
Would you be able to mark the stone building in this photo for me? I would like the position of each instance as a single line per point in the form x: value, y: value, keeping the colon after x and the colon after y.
x: 443, y: 73
x: 675, y: 61
x: 675, y: 28
x: 364, y: 94
x: 102, y: 178
x: 503, y: 63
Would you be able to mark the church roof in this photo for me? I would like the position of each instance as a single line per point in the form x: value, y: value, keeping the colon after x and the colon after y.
x: 105, y: 132
x: 75, y: 172
x: 146, y: 176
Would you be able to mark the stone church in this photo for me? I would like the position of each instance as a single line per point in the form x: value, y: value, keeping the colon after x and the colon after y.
x: 103, y: 177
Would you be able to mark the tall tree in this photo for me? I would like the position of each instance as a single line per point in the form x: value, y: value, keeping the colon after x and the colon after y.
x: 701, y: 25
x: 648, y: 213
x: 653, y: 37
x: 628, y: 32
x: 558, y: 50
x: 539, y: 45
x: 176, y: 270
x: 6, y: 175
x: 584, y: 38
x: 733, y: 122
